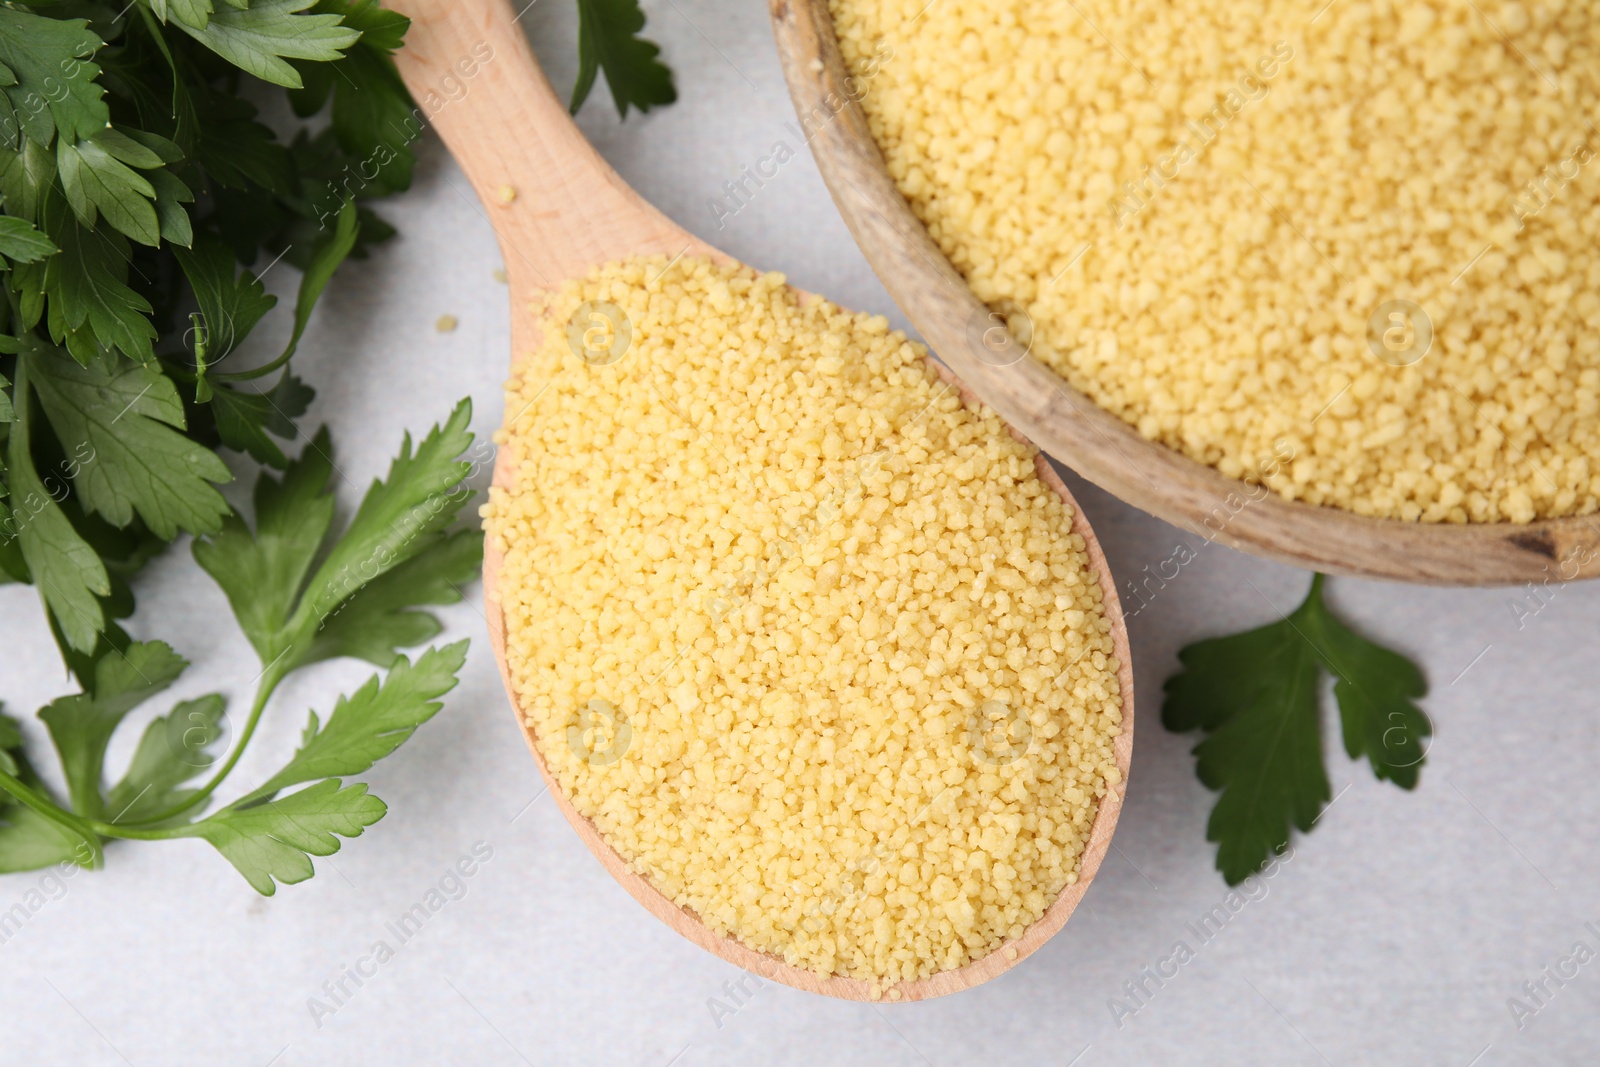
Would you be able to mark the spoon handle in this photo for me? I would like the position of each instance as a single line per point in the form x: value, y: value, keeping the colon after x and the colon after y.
x: 557, y: 207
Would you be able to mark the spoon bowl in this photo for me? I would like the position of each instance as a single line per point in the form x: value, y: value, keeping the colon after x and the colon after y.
x: 1093, y: 442
x: 558, y: 211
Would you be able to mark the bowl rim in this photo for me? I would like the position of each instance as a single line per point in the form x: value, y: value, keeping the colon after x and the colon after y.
x: 1093, y: 442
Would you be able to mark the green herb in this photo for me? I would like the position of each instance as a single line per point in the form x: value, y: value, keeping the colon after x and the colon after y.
x: 608, y: 39
x: 362, y: 599
x: 141, y: 202
x: 135, y: 181
x: 1257, y: 696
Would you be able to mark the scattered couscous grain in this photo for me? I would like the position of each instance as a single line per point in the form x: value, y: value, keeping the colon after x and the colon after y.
x: 807, y: 639
x: 446, y: 323
x: 1208, y: 208
x: 506, y: 193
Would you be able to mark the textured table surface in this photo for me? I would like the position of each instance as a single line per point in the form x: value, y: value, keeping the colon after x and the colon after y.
x: 1396, y: 933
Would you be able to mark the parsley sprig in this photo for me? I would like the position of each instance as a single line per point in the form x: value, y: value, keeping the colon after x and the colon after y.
x: 301, y: 594
x: 142, y: 200
x: 1257, y: 697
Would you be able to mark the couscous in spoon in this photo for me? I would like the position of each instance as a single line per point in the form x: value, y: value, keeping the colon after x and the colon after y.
x: 559, y: 211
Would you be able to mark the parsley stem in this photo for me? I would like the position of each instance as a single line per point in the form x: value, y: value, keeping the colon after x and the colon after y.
x: 254, y: 372
x: 55, y: 813
x: 108, y: 829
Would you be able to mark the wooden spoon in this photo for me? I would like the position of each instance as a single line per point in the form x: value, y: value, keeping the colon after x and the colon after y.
x: 558, y: 211
x: 1095, y: 443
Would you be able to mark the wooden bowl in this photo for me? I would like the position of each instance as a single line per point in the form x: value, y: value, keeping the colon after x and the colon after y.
x: 1095, y: 443
x: 558, y: 211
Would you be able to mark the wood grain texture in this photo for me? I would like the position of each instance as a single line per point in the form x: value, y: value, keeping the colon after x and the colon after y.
x: 572, y: 212
x: 1095, y: 443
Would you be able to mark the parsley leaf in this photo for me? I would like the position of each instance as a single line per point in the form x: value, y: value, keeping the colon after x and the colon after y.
x: 1376, y: 691
x: 377, y: 622
x: 28, y: 840
x: 1263, y: 748
x: 399, y: 518
x: 1256, y: 697
x: 608, y: 39
x: 275, y: 839
x: 87, y: 287
x: 96, y: 181
x: 66, y: 569
x: 230, y: 306
x: 330, y: 251
x: 22, y: 242
x: 81, y: 725
x: 372, y: 117
x: 378, y: 719
x: 130, y: 415
x: 187, y: 12
x: 259, y: 38
x: 263, y: 572
x: 238, y: 152
x: 55, y: 89
x: 10, y: 740
x: 25, y: 176
x: 292, y: 620
x: 244, y: 419
x: 171, y: 216
x: 174, y: 749
x: 123, y: 552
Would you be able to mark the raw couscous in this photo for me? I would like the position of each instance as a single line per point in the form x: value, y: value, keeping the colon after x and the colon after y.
x: 806, y: 638
x: 1212, y: 211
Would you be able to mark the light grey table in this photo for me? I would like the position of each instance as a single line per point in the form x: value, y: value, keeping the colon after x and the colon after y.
x: 1396, y: 934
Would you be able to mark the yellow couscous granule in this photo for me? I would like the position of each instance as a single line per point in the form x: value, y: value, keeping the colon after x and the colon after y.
x: 807, y: 639
x: 1207, y: 208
